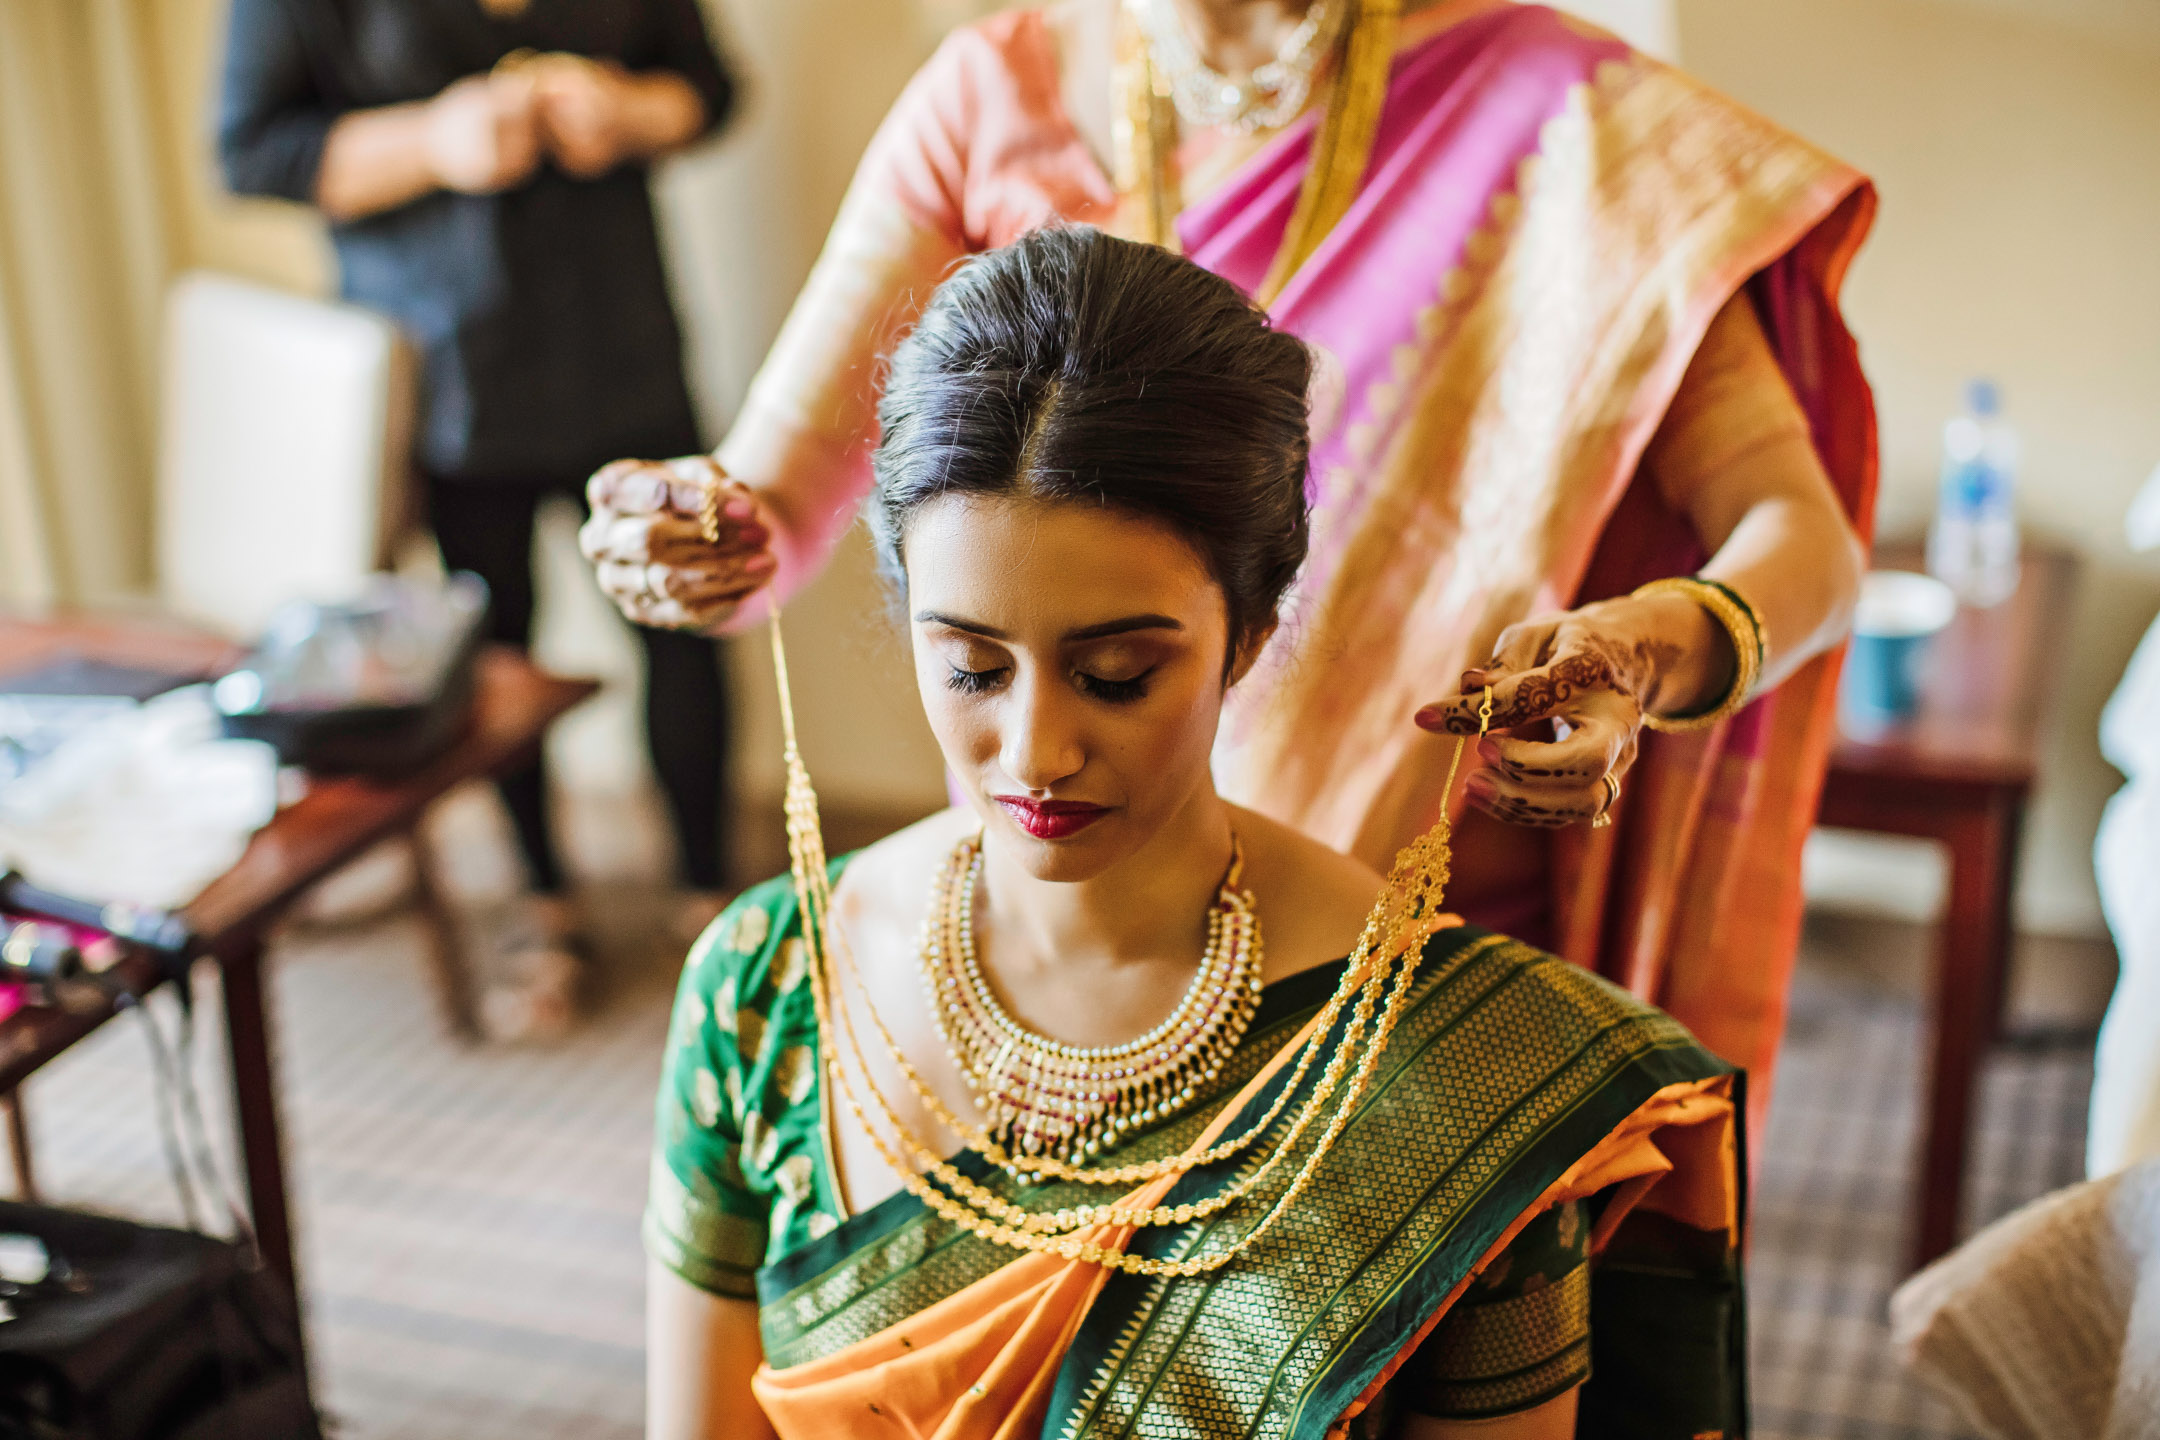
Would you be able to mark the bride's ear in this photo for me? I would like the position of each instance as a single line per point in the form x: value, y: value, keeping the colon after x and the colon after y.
x: 1248, y: 651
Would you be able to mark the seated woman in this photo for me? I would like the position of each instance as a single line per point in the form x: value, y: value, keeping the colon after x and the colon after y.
x: 1100, y: 1105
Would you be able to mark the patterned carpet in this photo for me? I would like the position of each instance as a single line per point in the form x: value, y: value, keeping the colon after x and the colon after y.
x: 469, y: 1216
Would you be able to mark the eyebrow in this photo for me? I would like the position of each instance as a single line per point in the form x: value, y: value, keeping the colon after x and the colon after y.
x: 1122, y: 626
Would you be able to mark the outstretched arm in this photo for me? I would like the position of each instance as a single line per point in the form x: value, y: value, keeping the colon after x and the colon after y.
x: 1733, y: 455
x: 799, y: 449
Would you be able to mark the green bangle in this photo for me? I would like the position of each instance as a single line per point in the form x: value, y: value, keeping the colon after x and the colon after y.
x: 1742, y: 625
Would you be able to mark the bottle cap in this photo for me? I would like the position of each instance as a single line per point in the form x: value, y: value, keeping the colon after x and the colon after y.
x: 1983, y: 397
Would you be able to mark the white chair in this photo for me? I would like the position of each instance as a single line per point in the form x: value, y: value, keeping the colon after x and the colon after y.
x: 283, y: 447
x: 281, y: 451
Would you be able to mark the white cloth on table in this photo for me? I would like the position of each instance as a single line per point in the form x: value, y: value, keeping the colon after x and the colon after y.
x: 2046, y: 1325
x: 147, y: 805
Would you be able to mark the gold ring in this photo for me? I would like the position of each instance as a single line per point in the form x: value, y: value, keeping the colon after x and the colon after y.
x: 1612, y: 798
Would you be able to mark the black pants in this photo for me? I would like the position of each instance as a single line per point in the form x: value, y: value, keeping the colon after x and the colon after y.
x: 487, y: 527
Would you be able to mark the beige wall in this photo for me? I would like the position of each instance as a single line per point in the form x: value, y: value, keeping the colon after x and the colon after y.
x: 2019, y: 164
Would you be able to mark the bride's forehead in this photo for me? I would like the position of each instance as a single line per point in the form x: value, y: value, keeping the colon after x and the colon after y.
x: 1061, y: 555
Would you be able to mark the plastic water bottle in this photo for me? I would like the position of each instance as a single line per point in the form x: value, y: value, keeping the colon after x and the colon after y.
x: 1973, y: 545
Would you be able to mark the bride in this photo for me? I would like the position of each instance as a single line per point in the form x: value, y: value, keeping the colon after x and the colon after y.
x: 1099, y: 1105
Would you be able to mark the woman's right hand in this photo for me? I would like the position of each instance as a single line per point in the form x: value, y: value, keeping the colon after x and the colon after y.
x: 647, y: 546
x: 483, y: 133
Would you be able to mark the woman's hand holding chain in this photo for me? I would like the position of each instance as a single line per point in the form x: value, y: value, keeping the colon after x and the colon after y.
x: 646, y: 541
x: 1569, y: 695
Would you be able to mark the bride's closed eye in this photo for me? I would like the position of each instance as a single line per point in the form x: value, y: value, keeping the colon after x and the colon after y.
x: 974, y: 682
x: 1115, y: 692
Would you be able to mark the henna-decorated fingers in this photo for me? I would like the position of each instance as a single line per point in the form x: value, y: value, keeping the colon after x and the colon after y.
x: 642, y: 487
x: 1561, y: 782
x: 644, y: 538
x: 646, y: 541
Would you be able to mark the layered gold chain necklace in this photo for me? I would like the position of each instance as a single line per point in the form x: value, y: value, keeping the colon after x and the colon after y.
x: 1039, y: 1095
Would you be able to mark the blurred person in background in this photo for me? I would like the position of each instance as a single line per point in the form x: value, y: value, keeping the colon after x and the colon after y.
x: 1579, y: 331
x: 484, y: 168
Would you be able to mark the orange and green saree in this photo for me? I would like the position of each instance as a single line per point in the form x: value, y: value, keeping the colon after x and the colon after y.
x: 1522, y: 1110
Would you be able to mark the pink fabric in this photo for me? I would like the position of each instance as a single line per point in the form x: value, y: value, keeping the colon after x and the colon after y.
x: 979, y: 146
x: 1463, y: 110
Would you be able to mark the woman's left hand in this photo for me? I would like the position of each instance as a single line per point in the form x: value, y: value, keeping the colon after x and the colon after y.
x: 1591, y: 673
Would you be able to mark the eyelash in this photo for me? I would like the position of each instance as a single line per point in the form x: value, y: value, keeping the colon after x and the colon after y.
x: 972, y: 682
x: 1112, y: 692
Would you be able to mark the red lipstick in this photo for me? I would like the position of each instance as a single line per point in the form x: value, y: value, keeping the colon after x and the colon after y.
x: 1051, y: 819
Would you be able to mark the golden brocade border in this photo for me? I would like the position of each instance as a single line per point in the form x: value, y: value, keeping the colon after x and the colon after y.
x: 1504, y: 430
x: 709, y: 1246
x: 1508, y: 1354
x: 925, y: 1258
x: 1471, y: 1086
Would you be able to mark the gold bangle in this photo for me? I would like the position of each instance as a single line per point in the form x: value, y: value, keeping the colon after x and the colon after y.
x: 1743, y: 626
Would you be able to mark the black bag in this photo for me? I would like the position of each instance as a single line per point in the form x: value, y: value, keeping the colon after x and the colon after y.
x: 142, y: 1333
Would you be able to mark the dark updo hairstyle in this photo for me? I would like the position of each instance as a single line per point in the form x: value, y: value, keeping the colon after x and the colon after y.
x: 1073, y: 366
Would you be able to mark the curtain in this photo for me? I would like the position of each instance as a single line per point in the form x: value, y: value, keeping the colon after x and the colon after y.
x: 83, y: 260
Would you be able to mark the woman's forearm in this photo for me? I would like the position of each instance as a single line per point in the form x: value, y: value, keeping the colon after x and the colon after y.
x: 376, y: 160
x: 802, y: 439
x: 1795, y: 557
x: 1735, y: 457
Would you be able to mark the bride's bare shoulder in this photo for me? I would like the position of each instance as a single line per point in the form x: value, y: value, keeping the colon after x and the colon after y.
x: 1313, y: 900
x: 889, y: 882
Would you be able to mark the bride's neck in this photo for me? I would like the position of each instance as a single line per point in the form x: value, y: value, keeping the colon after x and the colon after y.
x: 1151, y: 906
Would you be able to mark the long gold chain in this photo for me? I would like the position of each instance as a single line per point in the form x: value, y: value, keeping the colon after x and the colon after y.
x: 1404, y: 914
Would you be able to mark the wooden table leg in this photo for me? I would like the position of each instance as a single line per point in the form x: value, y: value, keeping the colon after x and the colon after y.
x: 247, y: 1034
x: 1971, y: 974
x: 18, y: 1128
x: 446, y: 951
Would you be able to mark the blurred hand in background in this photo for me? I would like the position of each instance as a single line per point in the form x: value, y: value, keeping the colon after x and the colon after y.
x: 483, y: 132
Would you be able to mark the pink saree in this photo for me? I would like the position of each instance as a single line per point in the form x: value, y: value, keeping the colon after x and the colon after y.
x: 1547, y: 226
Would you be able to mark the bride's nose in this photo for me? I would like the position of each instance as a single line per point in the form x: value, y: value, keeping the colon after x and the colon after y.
x: 1040, y: 744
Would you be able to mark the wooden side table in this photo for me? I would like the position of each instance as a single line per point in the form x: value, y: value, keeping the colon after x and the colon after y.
x: 338, y: 818
x: 1959, y: 771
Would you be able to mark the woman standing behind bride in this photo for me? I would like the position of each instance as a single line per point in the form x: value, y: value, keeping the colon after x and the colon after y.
x: 1576, y: 323
x: 1096, y: 1105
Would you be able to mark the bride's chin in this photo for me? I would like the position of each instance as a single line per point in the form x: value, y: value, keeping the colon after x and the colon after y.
x: 1071, y: 860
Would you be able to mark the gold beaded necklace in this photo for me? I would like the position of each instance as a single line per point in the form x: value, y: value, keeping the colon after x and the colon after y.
x: 1038, y: 1094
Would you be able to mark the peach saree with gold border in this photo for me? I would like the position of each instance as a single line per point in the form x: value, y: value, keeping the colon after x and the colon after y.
x: 1545, y: 229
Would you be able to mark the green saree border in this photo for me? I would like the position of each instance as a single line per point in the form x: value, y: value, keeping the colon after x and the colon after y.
x: 1580, y: 1059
